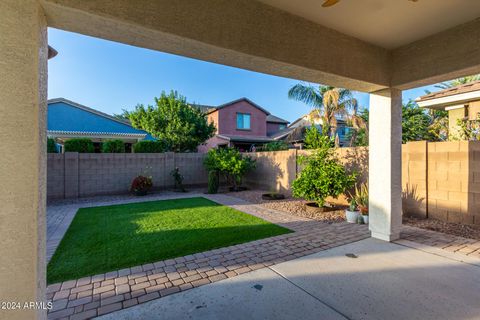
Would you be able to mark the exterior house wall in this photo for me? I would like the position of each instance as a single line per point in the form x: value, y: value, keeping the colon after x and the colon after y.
x: 453, y: 116
x: 227, y: 116
x: 213, y: 118
x: 273, y: 127
x: 212, y: 143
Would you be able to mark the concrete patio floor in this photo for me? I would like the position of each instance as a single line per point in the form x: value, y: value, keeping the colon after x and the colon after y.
x: 385, y: 281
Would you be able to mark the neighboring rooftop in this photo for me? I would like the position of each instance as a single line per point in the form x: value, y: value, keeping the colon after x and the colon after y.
x: 70, y: 118
x: 447, y: 97
x: 275, y: 119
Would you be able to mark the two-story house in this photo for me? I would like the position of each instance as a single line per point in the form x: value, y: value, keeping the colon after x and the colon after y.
x: 242, y: 124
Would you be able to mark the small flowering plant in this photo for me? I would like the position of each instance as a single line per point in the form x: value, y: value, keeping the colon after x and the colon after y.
x: 141, y: 184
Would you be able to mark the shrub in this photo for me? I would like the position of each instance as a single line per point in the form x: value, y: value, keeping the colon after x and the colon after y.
x: 314, y: 139
x: 113, y: 146
x: 275, y: 146
x: 213, y: 182
x: 360, y: 198
x: 141, y: 185
x: 177, y: 176
x: 149, y: 147
x: 322, y: 176
x: 231, y: 163
x: 81, y: 145
x: 51, y: 146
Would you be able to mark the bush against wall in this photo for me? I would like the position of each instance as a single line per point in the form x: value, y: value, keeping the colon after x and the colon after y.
x: 51, y: 146
x: 149, y: 147
x: 229, y: 162
x: 322, y: 176
x: 275, y: 146
x: 113, y: 146
x: 81, y: 145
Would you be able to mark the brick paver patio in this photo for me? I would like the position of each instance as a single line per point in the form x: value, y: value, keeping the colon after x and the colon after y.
x: 446, y: 242
x: 100, y: 294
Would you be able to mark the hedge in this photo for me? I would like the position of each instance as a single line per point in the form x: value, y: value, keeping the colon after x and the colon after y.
x: 149, y: 147
x: 81, y: 145
x: 113, y: 146
x: 51, y: 147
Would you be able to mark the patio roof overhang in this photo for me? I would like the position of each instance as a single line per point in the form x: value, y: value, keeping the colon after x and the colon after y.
x: 363, y: 51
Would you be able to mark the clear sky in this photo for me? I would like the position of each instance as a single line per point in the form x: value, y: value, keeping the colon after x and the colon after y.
x: 110, y: 76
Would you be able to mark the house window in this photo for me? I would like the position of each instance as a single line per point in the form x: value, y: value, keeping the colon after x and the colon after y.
x: 243, y: 121
x: 282, y: 127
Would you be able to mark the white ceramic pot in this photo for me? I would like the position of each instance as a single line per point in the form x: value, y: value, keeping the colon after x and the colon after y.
x: 365, y: 219
x: 352, y: 216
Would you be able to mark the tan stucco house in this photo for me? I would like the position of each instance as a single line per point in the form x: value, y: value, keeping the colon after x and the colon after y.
x: 461, y: 102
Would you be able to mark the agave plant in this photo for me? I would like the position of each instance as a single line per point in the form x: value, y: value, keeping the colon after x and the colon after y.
x: 360, y: 198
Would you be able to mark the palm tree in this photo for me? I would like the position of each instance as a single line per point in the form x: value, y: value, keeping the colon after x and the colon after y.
x: 458, y: 82
x: 330, y: 103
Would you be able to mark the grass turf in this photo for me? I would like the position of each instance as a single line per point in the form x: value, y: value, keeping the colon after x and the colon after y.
x: 103, y: 239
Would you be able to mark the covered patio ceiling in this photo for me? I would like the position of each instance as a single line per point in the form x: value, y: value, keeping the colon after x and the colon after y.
x: 364, y: 45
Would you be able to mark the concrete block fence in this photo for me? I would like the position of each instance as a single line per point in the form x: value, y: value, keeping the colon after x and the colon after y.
x: 73, y: 175
x: 439, y: 179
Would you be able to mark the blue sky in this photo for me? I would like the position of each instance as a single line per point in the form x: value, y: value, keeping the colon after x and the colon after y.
x: 109, y: 76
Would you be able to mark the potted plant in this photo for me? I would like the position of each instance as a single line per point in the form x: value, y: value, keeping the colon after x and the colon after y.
x: 322, y: 176
x: 352, y: 213
x: 141, y: 185
x: 361, y: 199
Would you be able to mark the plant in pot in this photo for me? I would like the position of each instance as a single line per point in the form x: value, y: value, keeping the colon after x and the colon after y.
x: 361, y: 199
x: 322, y: 176
x: 352, y: 213
x: 141, y: 185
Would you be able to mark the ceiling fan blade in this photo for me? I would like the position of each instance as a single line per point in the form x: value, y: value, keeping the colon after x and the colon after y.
x: 329, y: 3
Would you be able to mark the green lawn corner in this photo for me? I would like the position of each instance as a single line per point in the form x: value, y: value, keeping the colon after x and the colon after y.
x: 108, y: 238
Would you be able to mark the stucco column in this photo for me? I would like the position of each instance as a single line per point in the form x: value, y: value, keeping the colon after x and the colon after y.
x: 23, y: 92
x: 385, y: 164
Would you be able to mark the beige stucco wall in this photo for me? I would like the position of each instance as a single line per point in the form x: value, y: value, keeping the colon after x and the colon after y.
x: 23, y: 92
x: 453, y: 116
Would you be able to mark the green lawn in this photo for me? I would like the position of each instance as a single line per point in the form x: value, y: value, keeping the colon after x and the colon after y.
x: 103, y: 239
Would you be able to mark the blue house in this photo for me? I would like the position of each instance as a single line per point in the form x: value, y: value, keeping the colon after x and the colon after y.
x: 67, y: 119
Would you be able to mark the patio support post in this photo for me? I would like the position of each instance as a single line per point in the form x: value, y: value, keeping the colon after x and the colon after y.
x: 385, y: 164
x: 23, y: 102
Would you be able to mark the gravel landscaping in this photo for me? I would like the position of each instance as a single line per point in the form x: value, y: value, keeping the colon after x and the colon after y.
x: 289, y: 205
x: 457, y: 229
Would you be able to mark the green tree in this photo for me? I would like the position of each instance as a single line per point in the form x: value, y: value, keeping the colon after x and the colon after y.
x: 315, y: 139
x: 322, y: 176
x: 329, y: 101
x: 458, y: 82
x: 415, y: 123
x: 180, y: 126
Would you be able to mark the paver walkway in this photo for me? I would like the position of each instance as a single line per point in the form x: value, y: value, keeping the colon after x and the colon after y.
x: 104, y: 293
